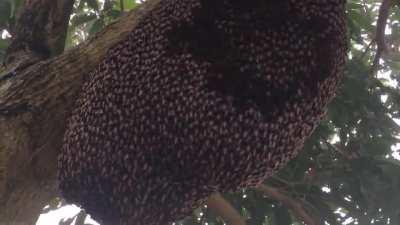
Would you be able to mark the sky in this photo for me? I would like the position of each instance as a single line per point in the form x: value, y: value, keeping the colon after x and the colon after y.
x: 53, y: 217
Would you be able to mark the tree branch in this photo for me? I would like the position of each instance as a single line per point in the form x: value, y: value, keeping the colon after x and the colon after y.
x: 61, y: 76
x: 34, y: 103
x: 224, y: 209
x: 40, y: 31
x: 288, y: 202
x: 121, y: 2
x: 380, y: 33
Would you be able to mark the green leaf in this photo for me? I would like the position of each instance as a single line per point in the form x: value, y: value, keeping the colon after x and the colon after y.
x: 82, y: 19
x: 94, y: 4
x: 15, y: 4
x: 323, y: 209
x: 389, y: 161
x: 394, y: 65
x: 282, y: 216
x: 113, y: 13
x: 96, y: 27
x: 378, y: 146
x: 5, y: 12
x: 4, y: 44
x: 361, y: 19
x: 68, y: 39
x: 129, y: 4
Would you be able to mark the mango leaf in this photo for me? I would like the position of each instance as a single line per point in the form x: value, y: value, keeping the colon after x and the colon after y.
x: 15, y: 4
x: 126, y: 5
x: 96, y: 26
x: 364, y: 21
x: 377, y: 146
x: 5, y: 12
x: 82, y: 19
x: 129, y: 4
x: 69, y: 38
x: 282, y: 216
x: 322, y: 208
x: 114, y: 13
x: 4, y: 43
x: 394, y: 65
x: 94, y: 4
x: 3, y: 46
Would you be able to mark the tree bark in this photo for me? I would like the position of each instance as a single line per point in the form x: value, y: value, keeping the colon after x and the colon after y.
x: 35, y: 101
x: 295, y: 206
x: 40, y: 31
x: 225, y: 210
x: 34, y: 104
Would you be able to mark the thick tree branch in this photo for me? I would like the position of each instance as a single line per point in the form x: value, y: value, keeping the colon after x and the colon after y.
x: 61, y: 76
x: 225, y: 210
x: 40, y: 31
x: 288, y: 202
x: 380, y: 33
x: 34, y: 104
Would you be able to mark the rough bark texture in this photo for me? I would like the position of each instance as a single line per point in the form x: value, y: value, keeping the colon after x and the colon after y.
x: 295, y: 206
x: 35, y: 100
x: 40, y: 30
x: 228, y: 90
x: 225, y: 210
x: 34, y: 103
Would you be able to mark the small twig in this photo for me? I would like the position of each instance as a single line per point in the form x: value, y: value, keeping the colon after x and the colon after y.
x: 287, y: 183
x: 225, y: 210
x: 380, y: 34
x: 368, y: 48
x: 337, y: 149
x: 290, y: 203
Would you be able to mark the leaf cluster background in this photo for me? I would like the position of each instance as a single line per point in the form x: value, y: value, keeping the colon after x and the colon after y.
x: 349, y: 171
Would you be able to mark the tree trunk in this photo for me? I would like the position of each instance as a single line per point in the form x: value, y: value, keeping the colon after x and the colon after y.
x: 34, y: 104
x: 36, y: 97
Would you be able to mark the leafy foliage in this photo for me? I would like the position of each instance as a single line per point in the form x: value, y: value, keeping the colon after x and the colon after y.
x: 8, y: 10
x: 91, y: 16
x: 347, y: 173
